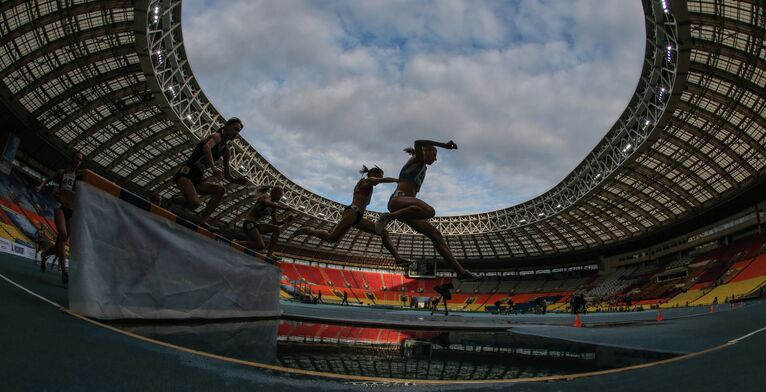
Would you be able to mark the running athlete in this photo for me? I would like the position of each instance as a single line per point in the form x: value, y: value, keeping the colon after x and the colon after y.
x: 353, y: 215
x: 406, y: 207
x: 67, y: 179
x: 42, y: 244
x: 266, y: 205
x: 191, y: 180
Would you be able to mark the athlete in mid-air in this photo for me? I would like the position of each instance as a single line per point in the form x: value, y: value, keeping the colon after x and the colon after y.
x: 191, y: 180
x: 406, y: 207
x: 353, y: 215
x: 67, y: 179
x: 266, y: 205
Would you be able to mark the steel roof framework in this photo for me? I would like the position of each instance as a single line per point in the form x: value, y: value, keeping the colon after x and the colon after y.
x: 112, y: 80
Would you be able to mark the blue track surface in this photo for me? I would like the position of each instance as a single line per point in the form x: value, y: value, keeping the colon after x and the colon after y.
x: 47, y: 349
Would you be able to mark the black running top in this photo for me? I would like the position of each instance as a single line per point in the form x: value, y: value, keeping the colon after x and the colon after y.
x: 414, y: 172
x: 366, y: 192
x: 260, y: 210
x: 197, y: 158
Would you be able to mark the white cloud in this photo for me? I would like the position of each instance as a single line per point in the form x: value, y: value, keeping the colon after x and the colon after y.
x: 525, y: 88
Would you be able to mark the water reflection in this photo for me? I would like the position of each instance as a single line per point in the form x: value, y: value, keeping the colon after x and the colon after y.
x: 394, y: 353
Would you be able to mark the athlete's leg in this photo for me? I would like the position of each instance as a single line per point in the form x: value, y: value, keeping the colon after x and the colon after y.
x: 255, y: 240
x: 334, y: 235
x: 274, y: 230
x: 61, y: 239
x: 368, y: 227
x: 188, y: 197
x: 405, y: 207
x: 427, y: 229
x: 48, y: 252
x: 214, y: 190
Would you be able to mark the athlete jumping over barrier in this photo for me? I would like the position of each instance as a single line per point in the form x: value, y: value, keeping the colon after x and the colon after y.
x: 67, y: 179
x: 353, y: 215
x: 406, y: 207
x: 266, y: 205
x: 191, y: 180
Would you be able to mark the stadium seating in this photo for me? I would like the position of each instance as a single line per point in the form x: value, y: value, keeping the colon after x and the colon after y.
x: 22, y: 210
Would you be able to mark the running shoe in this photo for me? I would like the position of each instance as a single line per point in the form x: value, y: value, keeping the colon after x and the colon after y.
x: 300, y: 231
x: 468, y: 276
x: 381, y: 224
x: 404, y: 263
x: 271, y: 259
x: 211, y: 226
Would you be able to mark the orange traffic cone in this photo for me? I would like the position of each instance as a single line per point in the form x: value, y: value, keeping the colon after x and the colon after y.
x: 659, y: 315
x: 577, y: 323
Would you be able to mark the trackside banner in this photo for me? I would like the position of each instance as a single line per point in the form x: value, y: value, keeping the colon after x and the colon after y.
x: 127, y: 263
x: 14, y: 248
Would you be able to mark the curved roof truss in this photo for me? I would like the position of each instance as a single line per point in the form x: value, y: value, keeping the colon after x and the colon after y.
x: 112, y: 80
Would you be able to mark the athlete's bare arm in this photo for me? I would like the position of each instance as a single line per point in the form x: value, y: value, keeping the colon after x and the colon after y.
x: 227, y: 171
x: 266, y: 200
x: 419, y: 144
x: 288, y: 219
x: 207, y: 149
x: 56, y: 176
x: 375, y: 181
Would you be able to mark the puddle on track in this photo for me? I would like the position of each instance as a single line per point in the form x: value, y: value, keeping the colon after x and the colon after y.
x: 394, y: 353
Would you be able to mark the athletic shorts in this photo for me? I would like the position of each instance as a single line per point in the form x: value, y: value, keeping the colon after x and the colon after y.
x: 394, y: 196
x: 66, y: 210
x: 359, y: 214
x: 194, y: 175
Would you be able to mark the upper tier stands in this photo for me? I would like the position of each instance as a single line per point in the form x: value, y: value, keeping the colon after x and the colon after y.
x: 724, y: 273
x: 22, y: 210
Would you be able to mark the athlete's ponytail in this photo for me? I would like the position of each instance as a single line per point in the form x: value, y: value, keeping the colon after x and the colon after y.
x: 371, y: 172
x: 410, y: 150
x: 262, y: 189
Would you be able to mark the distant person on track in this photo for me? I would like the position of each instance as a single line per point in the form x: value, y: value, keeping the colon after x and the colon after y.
x: 42, y: 245
x: 406, y: 207
x: 266, y: 205
x: 45, y: 248
x: 62, y: 213
x: 510, y: 310
x: 435, y: 304
x: 345, y: 298
x: 353, y: 215
x: 191, y: 180
x: 445, y: 290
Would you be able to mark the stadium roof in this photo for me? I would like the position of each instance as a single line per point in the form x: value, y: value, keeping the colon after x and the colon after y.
x: 111, y: 79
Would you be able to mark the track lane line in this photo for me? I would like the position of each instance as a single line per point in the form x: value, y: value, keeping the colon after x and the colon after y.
x: 336, y: 376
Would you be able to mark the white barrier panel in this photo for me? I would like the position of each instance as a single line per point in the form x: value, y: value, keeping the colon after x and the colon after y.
x: 128, y: 263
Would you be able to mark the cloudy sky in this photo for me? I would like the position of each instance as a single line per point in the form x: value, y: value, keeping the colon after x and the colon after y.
x: 525, y: 88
